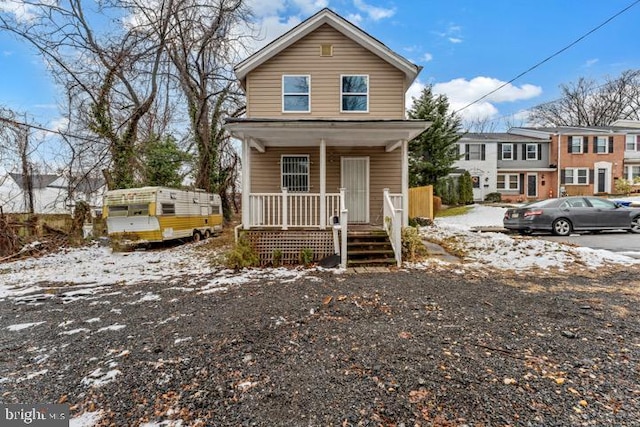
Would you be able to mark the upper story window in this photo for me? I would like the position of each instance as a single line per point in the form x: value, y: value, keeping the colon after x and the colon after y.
x: 532, y: 152
x: 601, y: 144
x: 507, y: 152
x: 296, y: 93
x: 354, y: 93
x: 576, y: 145
x: 633, y: 143
x: 295, y: 173
x: 474, y: 151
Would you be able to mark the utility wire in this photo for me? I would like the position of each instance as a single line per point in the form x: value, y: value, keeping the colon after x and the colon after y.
x: 44, y: 129
x: 593, y: 30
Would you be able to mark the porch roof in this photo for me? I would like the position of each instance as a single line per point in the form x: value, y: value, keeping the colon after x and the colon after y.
x: 309, y: 132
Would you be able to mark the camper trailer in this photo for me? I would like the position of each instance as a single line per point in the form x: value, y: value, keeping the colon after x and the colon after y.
x: 157, y: 214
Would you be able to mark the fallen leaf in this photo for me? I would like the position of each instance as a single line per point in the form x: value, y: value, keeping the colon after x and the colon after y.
x: 327, y: 300
x: 509, y: 381
x: 405, y: 335
x: 559, y: 381
x: 342, y: 297
x: 583, y: 403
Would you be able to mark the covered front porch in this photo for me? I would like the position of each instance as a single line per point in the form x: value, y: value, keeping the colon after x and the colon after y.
x: 325, y: 175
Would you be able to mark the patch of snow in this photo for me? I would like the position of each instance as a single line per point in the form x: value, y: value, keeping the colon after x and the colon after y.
x: 149, y: 296
x: 92, y: 320
x: 180, y: 340
x: 74, y: 331
x: 166, y: 423
x: 114, y: 327
x: 32, y: 375
x: 21, y: 326
x: 97, y: 378
x: 87, y: 419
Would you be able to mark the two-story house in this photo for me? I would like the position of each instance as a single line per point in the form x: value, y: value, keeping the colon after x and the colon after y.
x: 325, y: 139
x: 516, y: 166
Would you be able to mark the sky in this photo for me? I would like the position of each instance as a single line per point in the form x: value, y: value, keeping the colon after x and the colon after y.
x: 467, y: 49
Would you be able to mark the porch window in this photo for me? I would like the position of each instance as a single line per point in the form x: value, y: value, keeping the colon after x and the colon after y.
x: 507, y: 181
x: 295, y: 173
x: 296, y: 93
x: 354, y: 92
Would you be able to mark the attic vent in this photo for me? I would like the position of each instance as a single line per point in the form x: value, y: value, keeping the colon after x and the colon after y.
x: 326, y: 50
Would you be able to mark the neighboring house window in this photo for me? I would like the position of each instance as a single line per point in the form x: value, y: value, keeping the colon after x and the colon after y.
x: 576, y: 176
x: 633, y: 143
x: 602, y: 144
x: 532, y: 151
x: 354, y: 93
x: 168, y: 209
x: 507, y: 151
x: 508, y: 181
x: 631, y: 173
x: 296, y: 94
x: 474, y: 151
x: 576, y: 145
x: 295, y: 173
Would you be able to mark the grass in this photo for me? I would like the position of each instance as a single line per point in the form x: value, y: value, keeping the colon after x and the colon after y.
x: 453, y: 211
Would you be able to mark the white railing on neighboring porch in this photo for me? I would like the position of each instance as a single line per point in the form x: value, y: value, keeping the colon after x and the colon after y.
x: 393, y: 222
x: 284, y: 210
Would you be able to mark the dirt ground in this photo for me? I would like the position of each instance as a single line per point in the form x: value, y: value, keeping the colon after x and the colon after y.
x: 406, y: 348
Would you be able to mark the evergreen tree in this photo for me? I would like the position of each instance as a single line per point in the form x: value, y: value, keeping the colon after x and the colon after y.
x: 162, y: 161
x: 432, y: 154
x: 465, y: 188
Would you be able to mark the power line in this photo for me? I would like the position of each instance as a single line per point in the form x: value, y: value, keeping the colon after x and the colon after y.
x: 593, y: 30
x: 44, y: 129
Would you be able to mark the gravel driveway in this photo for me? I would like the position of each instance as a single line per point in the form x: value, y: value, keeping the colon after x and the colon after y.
x: 423, y: 348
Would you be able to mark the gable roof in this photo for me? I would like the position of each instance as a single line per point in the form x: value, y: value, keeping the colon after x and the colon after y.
x: 37, y: 180
x: 328, y: 17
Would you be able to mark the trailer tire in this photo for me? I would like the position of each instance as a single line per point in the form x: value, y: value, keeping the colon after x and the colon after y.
x: 207, y: 234
x: 196, y: 236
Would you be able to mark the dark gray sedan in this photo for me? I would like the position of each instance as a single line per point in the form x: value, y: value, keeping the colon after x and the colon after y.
x: 565, y: 215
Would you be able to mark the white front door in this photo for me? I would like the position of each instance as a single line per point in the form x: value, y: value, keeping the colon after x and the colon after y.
x: 355, y: 181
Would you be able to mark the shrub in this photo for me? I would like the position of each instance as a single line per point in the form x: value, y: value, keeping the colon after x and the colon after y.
x: 243, y: 255
x: 306, y: 256
x: 412, y: 245
x: 493, y: 197
x: 623, y: 186
x: 465, y: 188
x: 277, y: 257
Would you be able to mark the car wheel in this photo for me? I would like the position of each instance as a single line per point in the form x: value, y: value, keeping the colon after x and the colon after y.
x: 561, y: 227
x: 196, y: 236
x: 207, y: 234
x: 635, y: 224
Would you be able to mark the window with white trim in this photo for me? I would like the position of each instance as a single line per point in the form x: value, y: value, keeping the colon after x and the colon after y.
x: 576, y: 176
x: 507, y: 151
x: 602, y: 144
x: 296, y: 93
x: 576, y: 144
x: 508, y: 181
x: 632, y: 173
x: 532, y: 151
x: 295, y: 173
x: 633, y: 143
x: 354, y: 93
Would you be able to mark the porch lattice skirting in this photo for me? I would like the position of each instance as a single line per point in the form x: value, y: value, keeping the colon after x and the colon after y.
x: 290, y: 243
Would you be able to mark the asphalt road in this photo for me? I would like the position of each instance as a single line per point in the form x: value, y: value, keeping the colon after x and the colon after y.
x: 620, y: 241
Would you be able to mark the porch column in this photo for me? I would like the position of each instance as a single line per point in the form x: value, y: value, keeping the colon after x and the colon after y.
x: 405, y: 183
x: 246, y: 183
x: 323, y: 184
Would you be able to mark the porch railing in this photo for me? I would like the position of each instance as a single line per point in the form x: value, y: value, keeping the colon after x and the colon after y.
x: 284, y: 210
x: 393, y: 222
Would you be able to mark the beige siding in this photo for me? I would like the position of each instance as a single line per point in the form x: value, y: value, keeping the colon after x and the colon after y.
x: 384, y: 172
x: 386, y: 83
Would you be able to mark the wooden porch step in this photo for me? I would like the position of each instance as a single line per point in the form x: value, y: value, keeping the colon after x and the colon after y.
x: 365, y: 252
x: 369, y: 248
x: 369, y: 262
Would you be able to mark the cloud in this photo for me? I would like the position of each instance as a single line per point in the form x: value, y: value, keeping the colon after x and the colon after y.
x: 22, y: 11
x: 453, y: 33
x: 590, y: 62
x: 7, y: 53
x: 374, y: 12
x: 461, y: 92
x: 355, y: 18
x: 455, y: 40
x: 426, y: 57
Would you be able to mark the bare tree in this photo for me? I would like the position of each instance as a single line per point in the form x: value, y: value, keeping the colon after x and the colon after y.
x: 203, y: 48
x: 15, y: 147
x: 587, y: 103
x: 111, y: 77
